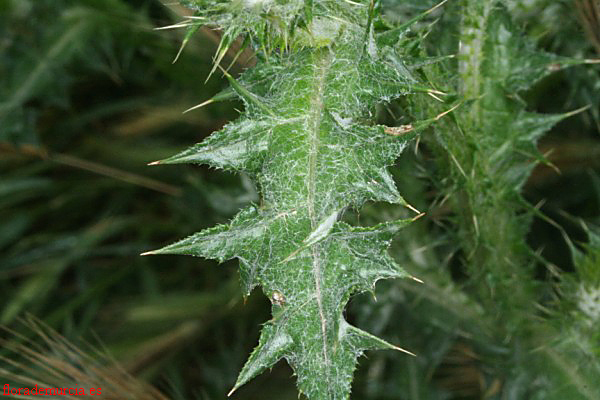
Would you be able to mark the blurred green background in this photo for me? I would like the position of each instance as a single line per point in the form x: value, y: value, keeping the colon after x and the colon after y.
x: 89, y: 95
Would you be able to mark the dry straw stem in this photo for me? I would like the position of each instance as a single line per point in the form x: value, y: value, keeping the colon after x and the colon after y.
x: 94, y: 167
x: 589, y: 14
x: 54, y: 362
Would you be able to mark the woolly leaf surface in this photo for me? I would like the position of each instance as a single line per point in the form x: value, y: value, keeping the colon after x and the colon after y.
x: 304, y: 137
x: 307, y: 137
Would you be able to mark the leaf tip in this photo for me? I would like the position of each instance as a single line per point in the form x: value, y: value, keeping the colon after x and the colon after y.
x: 373, y: 294
x: 577, y: 111
x: 448, y: 111
x: 403, y: 350
x: 419, y: 213
x: 416, y: 217
x: 204, y: 103
x: 178, y: 53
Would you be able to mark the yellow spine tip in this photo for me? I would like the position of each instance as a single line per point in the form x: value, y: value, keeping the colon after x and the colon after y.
x: 404, y: 351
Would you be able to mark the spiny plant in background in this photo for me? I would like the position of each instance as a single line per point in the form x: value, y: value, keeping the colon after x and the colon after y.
x: 489, y: 148
x: 581, y: 324
x: 307, y: 138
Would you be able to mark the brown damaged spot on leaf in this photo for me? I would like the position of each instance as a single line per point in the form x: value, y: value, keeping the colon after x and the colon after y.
x: 554, y: 67
x: 398, y: 130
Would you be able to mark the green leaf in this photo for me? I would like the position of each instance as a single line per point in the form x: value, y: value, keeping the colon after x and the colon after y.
x: 303, y: 136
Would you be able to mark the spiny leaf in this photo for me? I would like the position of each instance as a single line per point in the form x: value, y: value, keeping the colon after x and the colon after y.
x: 272, y: 346
x: 304, y: 137
x: 492, y: 148
x: 506, y: 134
x: 238, y: 146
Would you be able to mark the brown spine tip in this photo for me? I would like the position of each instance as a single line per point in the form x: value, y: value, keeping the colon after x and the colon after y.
x: 416, y: 217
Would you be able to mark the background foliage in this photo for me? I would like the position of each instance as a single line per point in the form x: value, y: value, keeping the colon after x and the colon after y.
x: 89, y: 96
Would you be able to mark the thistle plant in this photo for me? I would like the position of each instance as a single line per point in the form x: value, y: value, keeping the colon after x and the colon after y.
x: 491, y: 150
x: 489, y: 147
x: 502, y: 311
x: 307, y: 135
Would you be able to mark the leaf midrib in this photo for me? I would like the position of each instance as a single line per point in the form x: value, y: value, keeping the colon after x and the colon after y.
x: 322, y: 64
